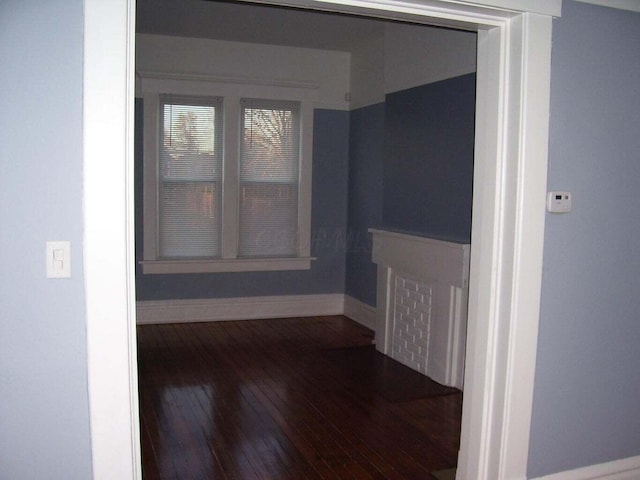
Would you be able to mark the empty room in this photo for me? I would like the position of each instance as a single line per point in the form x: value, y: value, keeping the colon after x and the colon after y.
x: 297, y: 174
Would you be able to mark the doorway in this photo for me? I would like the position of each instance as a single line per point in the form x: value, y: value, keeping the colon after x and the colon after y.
x: 509, y: 186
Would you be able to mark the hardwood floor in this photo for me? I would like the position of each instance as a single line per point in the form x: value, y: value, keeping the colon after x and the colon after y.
x: 284, y: 399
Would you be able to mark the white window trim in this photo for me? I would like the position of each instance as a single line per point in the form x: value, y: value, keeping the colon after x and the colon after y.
x: 152, y: 85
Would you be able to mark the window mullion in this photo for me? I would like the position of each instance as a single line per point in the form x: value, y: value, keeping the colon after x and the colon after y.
x: 230, y: 175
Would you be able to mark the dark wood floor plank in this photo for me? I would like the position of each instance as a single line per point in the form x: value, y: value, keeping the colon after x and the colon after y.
x: 189, y: 450
x: 261, y: 399
x: 281, y: 455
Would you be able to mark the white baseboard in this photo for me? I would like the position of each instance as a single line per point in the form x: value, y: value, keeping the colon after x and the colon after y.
x: 219, y: 309
x: 625, y: 469
x: 360, y: 312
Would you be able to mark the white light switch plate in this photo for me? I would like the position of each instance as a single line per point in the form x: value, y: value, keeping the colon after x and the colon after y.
x: 559, y: 202
x: 59, y: 259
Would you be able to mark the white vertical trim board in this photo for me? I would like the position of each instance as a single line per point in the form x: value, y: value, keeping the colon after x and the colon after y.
x: 245, y: 308
x: 625, y: 469
x: 506, y: 255
x: 531, y: 45
x: 109, y: 32
x: 360, y: 312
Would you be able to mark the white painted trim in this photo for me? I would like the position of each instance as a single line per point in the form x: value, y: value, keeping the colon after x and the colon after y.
x: 457, y: 335
x: 448, y: 13
x: 542, y: 7
x: 226, y: 265
x: 510, y: 156
x: 625, y: 469
x: 151, y: 114
x: 630, y: 5
x: 245, y: 308
x: 187, y: 84
x: 222, y: 80
x: 108, y: 238
x: 444, y: 7
x: 424, y: 258
x: 305, y: 187
x: 522, y: 259
x: 506, y: 255
x: 360, y: 312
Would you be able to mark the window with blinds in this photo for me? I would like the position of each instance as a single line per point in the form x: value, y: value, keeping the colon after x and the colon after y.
x: 227, y: 179
x: 190, y: 177
x: 268, y: 176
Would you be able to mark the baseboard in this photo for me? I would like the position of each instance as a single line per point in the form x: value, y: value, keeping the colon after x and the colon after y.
x: 360, y: 312
x: 220, y: 309
x: 625, y: 469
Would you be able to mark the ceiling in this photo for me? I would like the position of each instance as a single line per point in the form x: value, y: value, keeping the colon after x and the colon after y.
x: 242, y: 22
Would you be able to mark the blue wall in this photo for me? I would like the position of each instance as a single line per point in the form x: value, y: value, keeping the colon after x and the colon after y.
x: 366, y: 160
x: 328, y: 232
x: 44, y: 406
x: 428, y: 166
x: 410, y: 170
x: 406, y: 164
x: 587, y: 387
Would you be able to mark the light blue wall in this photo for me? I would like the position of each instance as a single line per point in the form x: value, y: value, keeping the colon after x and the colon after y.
x: 44, y: 412
x: 587, y: 387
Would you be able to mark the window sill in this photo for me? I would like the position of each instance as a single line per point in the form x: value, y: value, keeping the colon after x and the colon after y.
x: 225, y: 265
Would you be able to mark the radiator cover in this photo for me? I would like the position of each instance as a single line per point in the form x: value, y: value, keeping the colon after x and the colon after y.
x: 421, y: 313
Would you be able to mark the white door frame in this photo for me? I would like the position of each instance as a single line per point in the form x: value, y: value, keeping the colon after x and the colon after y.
x: 512, y: 122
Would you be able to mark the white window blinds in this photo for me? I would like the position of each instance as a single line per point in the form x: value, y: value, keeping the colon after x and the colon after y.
x: 269, y: 170
x: 190, y: 176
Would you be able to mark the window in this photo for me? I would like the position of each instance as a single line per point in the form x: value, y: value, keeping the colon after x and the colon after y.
x: 227, y: 181
x: 269, y: 153
x: 190, y: 177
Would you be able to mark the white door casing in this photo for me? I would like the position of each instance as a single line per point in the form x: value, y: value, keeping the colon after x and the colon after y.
x: 109, y: 61
x: 512, y: 121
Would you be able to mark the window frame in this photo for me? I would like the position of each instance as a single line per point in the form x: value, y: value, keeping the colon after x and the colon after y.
x: 150, y: 87
x: 166, y: 180
x: 258, y: 181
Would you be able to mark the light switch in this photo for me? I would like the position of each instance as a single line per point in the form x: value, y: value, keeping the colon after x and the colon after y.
x: 58, y: 259
x: 559, y: 202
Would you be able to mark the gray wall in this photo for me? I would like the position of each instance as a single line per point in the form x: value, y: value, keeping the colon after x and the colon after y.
x: 587, y: 387
x: 44, y: 411
x: 328, y: 232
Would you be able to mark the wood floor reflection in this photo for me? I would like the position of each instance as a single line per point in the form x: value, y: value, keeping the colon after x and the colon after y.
x: 266, y: 399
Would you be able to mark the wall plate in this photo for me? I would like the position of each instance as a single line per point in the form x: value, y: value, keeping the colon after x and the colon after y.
x: 559, y: 202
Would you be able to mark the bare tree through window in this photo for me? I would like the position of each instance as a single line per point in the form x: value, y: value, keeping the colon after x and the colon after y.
x: 269, y: 180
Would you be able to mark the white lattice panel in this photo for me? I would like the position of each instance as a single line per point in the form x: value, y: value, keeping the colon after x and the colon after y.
x: 412, y: 322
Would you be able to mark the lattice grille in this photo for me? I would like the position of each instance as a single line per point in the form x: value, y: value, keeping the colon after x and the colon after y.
x: 412, y: 305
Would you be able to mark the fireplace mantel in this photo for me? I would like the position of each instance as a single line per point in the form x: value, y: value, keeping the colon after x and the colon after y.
x: 421, y: 309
